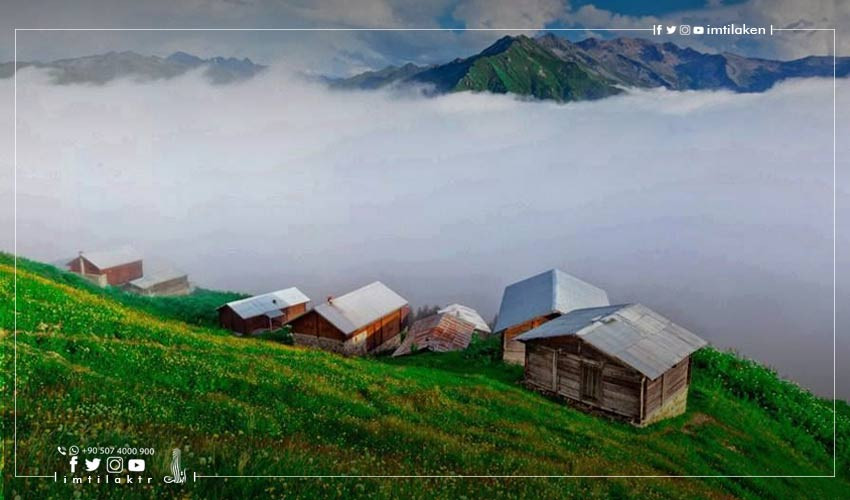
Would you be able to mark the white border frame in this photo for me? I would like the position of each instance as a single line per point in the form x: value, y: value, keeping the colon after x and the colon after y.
x: 196, y: 476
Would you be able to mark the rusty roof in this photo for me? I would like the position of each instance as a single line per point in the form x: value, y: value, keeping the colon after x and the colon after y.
x: 439, y: 333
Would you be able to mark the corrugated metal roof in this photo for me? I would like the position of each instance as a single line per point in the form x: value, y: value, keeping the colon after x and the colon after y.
x: 467, y: 314
x: 632, y: 333
x: 157, y: 276
x: 439, y: 333
x: 106, y: 259
x: 357, y: 309
x: 553, y: 291
x: 267, y: 302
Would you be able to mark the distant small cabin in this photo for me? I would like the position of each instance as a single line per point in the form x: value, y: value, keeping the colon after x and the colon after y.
x: 437, y: 332
x: 364, y: 321
x: 624, y: 360
x: 161, y: 282
x: 533, y: 301
x: 110, y: 267
x: 468, y: 314
x: 266, y: 312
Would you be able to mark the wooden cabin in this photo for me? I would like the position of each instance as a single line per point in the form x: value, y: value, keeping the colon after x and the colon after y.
x: 111, y: 267
x: 266, y: 312
x: 367, y: 320
x: 624, y: 360
x: 439, y: 333
x: 482, y: 329
x: 533, y: 301
x: 161, y: 282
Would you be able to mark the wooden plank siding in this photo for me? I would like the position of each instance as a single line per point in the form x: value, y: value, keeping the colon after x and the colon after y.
x: 376, y: 333
x: 228, y: 319
x: 116, y: 275
x: 513, y: 351
x: 561, y: 365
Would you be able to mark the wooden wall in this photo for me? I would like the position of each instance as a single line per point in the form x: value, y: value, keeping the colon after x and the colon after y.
x: 558, y: 366
x: 115, y: 276
x: 661, y: 390
x: 513, y: 351
x: 377, y: 332
x: 228, y: 319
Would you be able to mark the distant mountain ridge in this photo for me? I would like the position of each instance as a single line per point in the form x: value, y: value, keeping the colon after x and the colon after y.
x: 103, y: 68
x: 551, y: 67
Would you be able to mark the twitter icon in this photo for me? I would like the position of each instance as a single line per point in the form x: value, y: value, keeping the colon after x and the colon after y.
x: 92, y: 464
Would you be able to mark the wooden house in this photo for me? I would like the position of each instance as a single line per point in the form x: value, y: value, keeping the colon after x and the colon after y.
x: 364, y: 321
x: 533, y: 301
x: 468, y: 314
x: 111, y: 267
x: 437, y: 332
x: 163, y: 281
x: 266, y: 312
x: 624, y: 360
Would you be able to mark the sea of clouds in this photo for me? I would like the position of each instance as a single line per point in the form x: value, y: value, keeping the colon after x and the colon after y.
x: 714, y: 208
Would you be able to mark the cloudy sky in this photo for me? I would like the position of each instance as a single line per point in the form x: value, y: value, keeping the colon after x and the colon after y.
x: 358, y: 50
x: 713, y: 207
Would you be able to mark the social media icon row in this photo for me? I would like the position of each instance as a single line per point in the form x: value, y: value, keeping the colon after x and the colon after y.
x: 684, y: 29
x: 113, y: 464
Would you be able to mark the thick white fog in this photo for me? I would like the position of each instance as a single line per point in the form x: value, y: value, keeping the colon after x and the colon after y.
x: 714, y: 208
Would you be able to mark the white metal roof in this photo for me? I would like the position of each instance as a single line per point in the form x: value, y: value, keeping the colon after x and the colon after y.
x: 157, y: 276
x: 357, y: 309
x: 467, y: 314
x: 267, y: 302
x: 553, y: 291
x: 632, y: 333
x: 106, y: 259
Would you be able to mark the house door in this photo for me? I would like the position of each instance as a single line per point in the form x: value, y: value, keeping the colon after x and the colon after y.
x: 591, y: 382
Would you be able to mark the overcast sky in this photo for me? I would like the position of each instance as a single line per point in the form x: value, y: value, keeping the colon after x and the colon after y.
x: 359, y: 50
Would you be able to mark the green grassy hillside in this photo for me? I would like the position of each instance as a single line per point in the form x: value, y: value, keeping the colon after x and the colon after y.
x: 95, y: 369
x: 518, y: 66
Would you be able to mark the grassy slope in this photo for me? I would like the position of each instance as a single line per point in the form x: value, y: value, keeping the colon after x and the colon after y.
x: 92, y: 371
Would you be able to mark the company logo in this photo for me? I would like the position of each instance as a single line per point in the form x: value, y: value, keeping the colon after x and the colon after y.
x: 92, y: 464
x: 135, y: 465
x: 178, y: 475
x: 699, y: 30
x: 671, y: 30
x: 114, y: 464
x: 73, y: 463
x: 685, y: 29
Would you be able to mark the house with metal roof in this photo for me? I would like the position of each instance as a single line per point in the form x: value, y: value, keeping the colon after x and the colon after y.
x: 467, y: 314
x: 160, y: 281
x: 114, y: 267
x: 533, y: 301
x: 363, y: 321
x: 441, y: 332
x: 625, y: 360
x: 266, y: 312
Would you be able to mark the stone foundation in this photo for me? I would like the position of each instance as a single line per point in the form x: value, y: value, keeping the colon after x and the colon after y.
x: 355, y: 346
x: 675, y: 405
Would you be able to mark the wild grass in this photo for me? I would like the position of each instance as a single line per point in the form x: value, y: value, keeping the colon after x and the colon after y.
x: 96, y: 370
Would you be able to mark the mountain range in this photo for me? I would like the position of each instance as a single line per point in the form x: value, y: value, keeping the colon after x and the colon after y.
x: 102, y: 68
x: 551, y: 67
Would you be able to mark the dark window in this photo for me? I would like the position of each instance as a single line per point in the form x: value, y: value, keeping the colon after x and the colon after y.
x: 591, y: 382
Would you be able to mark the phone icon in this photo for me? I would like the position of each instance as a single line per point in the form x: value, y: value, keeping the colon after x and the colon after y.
x: 61, y: 450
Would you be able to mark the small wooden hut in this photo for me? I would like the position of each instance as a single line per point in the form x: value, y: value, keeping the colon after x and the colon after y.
x: 469, y: 314
x: 437, y: 332
x: 533, y: 301
x: 266, y: 312
x: 109, y: 267
x: 364, y: 321
x: 624, y: 360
